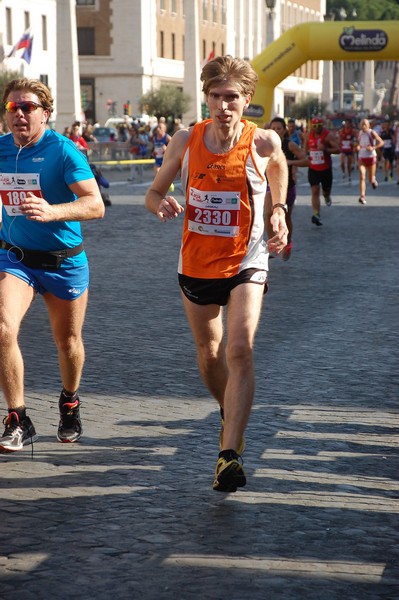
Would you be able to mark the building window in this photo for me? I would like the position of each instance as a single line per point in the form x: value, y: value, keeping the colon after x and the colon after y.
x: 173, y: 46
x: 222, y: 50
x: 9, y: 25
x: 44, y: 32
x: 86, y: 45
x: 203, y: 49
x: 44, y: 79
x: 173, y: 7
x: 183, y: 43
x: 162, y: 5
x: 162, y: 44
x: 85, y: 2
x: 214, y: 11
x: 204, y: 10
x: 27, y: 19
x: 87, y: 99
x: 223, y: 12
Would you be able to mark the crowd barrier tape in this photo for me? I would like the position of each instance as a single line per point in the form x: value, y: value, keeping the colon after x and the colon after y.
x: 337, y: 40
x: 127, y: 161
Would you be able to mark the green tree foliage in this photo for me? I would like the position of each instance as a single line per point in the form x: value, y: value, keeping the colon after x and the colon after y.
x: 308, y: 108
x: 166, y: 101
x: 370, y: 10
x: 5, y: 77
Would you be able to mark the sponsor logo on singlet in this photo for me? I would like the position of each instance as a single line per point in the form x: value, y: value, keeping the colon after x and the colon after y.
x: 198, y: 175
x: 215, y: 166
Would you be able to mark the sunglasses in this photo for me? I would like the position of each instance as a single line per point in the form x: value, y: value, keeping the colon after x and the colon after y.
x: 26, y: 107
x: 317, y: 125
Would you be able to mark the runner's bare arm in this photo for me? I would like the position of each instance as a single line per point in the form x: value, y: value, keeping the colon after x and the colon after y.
x: 379, y: 142
x: 88, y: 205
x: 276, y: 169
x: 301, y: 158
x: 332, y: 144
x: 156, y: 200
x: 268, y: 144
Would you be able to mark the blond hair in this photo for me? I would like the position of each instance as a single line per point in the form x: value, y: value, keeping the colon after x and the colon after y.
x: 35, y: 86
x: 223, y: 68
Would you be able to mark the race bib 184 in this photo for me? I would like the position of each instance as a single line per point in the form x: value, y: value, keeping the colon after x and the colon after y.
x: 214, y: 213
x: 14, y: 188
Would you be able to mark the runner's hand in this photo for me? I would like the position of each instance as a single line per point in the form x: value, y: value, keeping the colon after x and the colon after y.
x: 36, y: 208
x: 278, y: 242
x: 169, y: 208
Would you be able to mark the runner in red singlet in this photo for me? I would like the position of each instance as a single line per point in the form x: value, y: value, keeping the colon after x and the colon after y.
x: 347, y: 141
x: 320, y: 144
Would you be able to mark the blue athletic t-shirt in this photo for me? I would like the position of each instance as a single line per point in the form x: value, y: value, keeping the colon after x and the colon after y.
x: 46, y: 168
x: 295, y: 138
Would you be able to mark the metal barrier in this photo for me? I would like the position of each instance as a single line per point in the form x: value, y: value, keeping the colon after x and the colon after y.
x: 108, y: 150
x: 114, y: 153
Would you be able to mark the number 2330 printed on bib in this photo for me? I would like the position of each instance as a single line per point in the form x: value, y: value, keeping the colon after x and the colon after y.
x: 214, y: 213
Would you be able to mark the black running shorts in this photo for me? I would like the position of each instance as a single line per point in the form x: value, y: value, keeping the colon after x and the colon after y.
x: 217, y: 291
x: 323, y: 178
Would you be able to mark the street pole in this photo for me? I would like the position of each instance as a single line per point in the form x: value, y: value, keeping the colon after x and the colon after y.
x: 369, y: 85
x: 341, y: 86
x: 191, y: 84
x: 271, y: 35
x: 68, y: 102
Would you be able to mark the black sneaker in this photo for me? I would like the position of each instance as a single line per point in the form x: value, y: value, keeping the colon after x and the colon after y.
x: 316, y: 219
x: 229, y: 474
x: 17, y: 434
x: 70, y: 426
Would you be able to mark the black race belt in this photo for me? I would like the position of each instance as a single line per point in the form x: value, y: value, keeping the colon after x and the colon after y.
x: 40, y: 259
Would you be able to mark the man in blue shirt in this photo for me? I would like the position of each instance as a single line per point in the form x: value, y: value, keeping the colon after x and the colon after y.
x: 293, y: 133
x: 46, y: 187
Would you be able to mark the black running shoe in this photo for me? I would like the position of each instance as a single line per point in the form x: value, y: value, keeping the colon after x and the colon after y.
x: 229, y: 474
x: 316, y: 219
x: 17, y: 434
x: 70, y: 427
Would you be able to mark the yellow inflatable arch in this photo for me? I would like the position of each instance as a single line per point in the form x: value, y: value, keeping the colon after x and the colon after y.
x: 349, y: 40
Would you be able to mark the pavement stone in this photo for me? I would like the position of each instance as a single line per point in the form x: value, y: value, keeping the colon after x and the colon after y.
x: 130, y: 513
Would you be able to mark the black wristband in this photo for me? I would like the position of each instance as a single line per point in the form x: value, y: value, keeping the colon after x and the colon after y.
x: 280, y: 205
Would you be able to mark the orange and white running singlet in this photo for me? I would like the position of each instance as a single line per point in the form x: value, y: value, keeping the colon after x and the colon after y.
x: 223, y: 225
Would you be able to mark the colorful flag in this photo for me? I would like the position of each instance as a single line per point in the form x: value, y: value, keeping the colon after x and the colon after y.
x: 25, y: 44
x: 206, y: 60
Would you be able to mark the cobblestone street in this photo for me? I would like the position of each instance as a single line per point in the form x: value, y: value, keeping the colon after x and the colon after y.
x: 129, y: 512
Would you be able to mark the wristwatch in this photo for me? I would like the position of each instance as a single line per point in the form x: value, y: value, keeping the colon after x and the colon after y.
x: 280, y: 205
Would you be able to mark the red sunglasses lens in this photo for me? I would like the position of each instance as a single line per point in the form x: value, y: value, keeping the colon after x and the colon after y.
x: 26, y: 107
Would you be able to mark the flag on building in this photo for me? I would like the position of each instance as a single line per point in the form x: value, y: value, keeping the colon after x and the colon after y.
x: 25, y: 44
x: 206, y: 60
